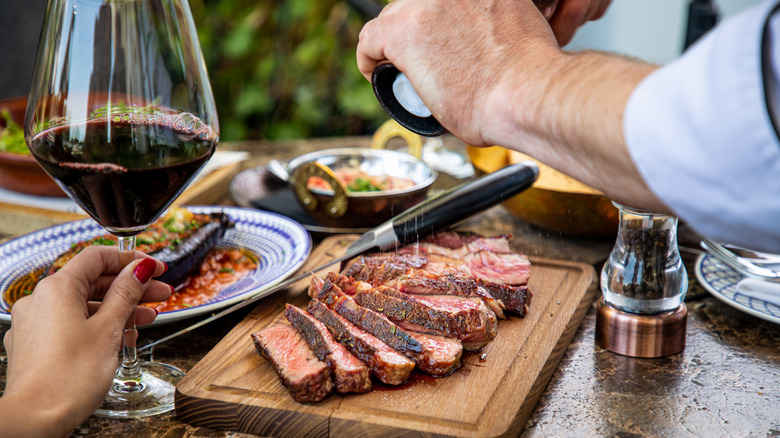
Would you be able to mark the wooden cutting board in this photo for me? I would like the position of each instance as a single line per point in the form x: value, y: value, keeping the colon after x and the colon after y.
x: 492, y: 394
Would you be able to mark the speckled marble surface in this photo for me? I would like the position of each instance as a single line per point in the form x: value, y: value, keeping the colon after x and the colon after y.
x: 725, y: 382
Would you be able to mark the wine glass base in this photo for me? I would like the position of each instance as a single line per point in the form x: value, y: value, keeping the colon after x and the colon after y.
x: 152, y: 394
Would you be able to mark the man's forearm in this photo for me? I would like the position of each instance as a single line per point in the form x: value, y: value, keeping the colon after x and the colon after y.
x: 575, y: 121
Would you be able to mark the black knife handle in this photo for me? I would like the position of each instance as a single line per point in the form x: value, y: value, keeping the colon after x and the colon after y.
x: 463, y: 201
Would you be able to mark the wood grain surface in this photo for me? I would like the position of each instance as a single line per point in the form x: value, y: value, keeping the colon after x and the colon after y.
x: 234, y: 388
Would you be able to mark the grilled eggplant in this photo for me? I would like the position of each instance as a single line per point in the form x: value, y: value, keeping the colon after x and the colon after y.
x: 180, y: 239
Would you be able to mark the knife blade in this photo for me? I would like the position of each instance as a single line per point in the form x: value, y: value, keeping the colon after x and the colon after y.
x: 447, y: 209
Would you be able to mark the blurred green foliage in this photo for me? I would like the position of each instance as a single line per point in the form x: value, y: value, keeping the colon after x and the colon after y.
x: 284, y: 69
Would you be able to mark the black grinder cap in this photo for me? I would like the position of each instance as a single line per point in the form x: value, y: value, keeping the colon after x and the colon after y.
x: 399, y: 99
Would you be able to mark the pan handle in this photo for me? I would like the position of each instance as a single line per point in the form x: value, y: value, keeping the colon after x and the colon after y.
x: 463, y: 201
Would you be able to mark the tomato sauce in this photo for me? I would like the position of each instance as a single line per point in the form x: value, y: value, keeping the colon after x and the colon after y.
x: 220, y: 268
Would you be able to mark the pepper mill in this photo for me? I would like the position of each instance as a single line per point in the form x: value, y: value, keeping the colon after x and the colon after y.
x: 641, y: 312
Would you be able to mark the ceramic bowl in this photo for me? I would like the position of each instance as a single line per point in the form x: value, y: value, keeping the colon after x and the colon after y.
x: 20, y: 172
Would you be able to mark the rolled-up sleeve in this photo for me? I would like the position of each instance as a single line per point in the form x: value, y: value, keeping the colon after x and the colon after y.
x: 700, y: 132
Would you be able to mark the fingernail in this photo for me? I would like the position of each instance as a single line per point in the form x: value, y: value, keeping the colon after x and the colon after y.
x: 166, y: 267
x: 156, y: 312
x: 143, y: 271
x: 173, y: 289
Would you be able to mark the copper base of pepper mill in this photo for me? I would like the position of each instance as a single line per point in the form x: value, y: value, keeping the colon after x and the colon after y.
x: 637, y: 335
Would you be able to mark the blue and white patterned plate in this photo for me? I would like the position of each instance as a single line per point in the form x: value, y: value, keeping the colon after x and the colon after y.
x: 280, y: 245
x: 721, y: 281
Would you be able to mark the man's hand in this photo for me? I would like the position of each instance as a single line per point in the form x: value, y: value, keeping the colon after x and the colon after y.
x: 569, y: 15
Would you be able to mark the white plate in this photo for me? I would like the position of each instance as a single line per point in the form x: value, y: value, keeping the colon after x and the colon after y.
x: 281, y: 246
x: 721, y: 281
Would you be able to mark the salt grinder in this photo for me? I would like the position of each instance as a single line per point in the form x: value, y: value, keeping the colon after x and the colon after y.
x: 641, y: 312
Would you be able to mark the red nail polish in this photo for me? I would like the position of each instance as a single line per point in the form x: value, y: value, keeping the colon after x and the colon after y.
x: 173, y: 289
x: 143, y: 271
x: 156, y: 312
x: 166, y: 267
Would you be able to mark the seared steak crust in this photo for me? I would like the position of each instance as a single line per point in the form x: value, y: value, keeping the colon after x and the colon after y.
x: 499, y: 279
x: 386, y: 364
x: 466, y: 319
x: 413, y: 274
x: 349, y: 373
x: 516, y: 299
x: 434, y: 355
x: 306, y: 377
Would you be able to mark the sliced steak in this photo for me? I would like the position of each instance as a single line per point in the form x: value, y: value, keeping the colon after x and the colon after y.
x: 349, y: 373
x: 413, y: 274
x: 516, y: 299
x: 306, y: 377
x: 464, y: 243
x: 458, y: 245
x: 489, y: 259
x: 435, y: 355
x: 463, y: 318
x: 435, y: 274
x: 466, y: 319
x: 386, y: 364
x: 315, y: 285
x: 504, y: 269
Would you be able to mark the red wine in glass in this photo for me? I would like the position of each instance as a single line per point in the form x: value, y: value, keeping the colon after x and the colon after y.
x: 125, y: 169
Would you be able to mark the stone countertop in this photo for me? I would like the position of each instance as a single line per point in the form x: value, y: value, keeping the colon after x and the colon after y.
x: 723, y: 384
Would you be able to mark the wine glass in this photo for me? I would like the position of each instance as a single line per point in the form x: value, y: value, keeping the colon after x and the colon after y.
x: 122, y: 116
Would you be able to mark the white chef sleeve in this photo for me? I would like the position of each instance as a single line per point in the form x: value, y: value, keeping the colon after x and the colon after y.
x: 701, y: 135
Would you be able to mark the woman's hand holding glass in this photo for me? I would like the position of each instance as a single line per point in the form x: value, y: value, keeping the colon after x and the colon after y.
x: 63, y: 342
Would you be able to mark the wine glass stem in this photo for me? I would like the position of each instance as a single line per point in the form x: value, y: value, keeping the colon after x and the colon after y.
x: 130, y: 371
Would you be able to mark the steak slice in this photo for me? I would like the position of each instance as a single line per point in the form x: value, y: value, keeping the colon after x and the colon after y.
x: 465, y: 243
x: 504, y: 269
x: 386, y: 364
x: 435, y: 274
x: 412, y: 274
x: 466, y: 319
x: 349, y: 373
x: 516, y: 299
x: 435, y: 355
x: 514, y: 269
x: 306, y: 377
x: 458, y: 245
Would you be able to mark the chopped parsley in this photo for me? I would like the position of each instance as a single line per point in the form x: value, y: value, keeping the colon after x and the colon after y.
x: 143, y: 241
x: 103, y: 240
x: 361, y: 184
